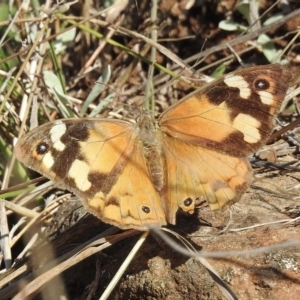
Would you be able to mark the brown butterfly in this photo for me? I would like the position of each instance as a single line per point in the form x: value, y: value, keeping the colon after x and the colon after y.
x: 135, y: 175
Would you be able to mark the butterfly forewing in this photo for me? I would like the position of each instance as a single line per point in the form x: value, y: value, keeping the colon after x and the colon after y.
x: 233, y: 114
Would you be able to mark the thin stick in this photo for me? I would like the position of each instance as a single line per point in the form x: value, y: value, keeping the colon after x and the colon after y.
x: 124, y: 266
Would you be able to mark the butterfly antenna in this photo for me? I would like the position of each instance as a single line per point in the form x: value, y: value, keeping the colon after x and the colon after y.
x: 148, y: 101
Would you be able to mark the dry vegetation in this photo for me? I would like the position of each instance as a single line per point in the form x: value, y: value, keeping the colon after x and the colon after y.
x: 50, y: 60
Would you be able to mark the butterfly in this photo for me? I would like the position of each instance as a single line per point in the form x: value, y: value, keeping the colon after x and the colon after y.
x: 135, y: 175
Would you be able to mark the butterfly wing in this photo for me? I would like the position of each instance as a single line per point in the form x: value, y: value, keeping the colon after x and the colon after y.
x: 194, y: 171
x: 233, y: 114
x: 100, y: 161
x: 208, y: 134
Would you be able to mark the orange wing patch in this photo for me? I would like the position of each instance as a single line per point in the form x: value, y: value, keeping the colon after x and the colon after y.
x: 132, y: 201
x: 194, y: 171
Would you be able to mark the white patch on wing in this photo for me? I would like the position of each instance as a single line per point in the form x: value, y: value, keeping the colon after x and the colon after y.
x: 56, y: 132
x: 266, y: 97
x: 239, y: 82
x: 248, y: 126
x: 48, y: 160
x: 79, y: 171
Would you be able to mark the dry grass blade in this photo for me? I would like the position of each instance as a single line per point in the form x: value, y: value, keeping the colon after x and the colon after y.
x: 226, y: 290
x: 244, y: 38
x: 19, y: 209
x: 5, y: 246
x: 64, y: 262
x: 220, y: 254
x: 124, y: 266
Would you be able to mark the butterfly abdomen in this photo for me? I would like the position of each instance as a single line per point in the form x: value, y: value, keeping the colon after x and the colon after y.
x: 155, y: 165
x: 151, y: 145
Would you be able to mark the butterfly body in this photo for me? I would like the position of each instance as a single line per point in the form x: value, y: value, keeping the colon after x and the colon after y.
x: 148, y: 132
x: 132, y: 175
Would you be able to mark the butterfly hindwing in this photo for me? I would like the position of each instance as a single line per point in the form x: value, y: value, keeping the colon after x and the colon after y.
x: 221, y: 179
x: 133, y: 202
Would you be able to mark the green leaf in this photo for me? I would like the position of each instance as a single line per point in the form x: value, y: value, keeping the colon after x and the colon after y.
x: 273, y: 19
x: 55, y: 87
x: 243, y: 8
x: 96, y: 90
x: 231, y: 26
x: 219, y: 71
x: 268, y: 47
x: 63, y: 40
